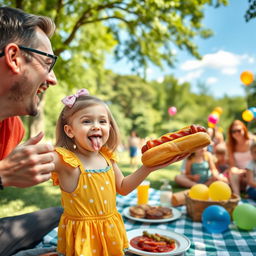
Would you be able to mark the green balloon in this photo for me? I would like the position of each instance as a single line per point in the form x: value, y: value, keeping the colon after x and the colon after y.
x: 244, y: 216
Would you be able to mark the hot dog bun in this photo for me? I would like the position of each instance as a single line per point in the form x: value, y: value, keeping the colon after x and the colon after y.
x: 164, y: 152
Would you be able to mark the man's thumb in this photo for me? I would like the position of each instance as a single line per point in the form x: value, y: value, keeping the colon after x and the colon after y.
x: 34, y: 140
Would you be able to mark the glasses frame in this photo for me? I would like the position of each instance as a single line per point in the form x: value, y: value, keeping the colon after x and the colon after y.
x: 52, y: 56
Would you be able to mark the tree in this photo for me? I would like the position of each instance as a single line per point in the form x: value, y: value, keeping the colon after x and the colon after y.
x: 140, y: 31
x: 251, y: 11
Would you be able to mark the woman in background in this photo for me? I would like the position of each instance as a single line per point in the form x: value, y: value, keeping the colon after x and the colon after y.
x: 239, y: 155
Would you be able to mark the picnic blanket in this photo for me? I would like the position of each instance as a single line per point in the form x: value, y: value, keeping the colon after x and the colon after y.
x: 233, y: 242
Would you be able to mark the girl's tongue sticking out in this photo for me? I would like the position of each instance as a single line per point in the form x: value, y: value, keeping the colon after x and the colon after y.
x: 96, y: 142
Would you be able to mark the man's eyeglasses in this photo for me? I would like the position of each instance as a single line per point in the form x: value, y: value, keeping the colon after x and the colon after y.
x: 236, y: 131
x: 53, y: 57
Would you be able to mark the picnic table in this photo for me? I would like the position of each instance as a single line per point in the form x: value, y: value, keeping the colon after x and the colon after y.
x: 233, y: 242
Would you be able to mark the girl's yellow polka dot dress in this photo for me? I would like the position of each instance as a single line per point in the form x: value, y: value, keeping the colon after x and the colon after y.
x: 90, y: 224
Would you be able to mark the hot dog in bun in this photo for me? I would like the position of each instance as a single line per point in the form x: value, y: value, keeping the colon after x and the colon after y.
x: 186, y: 140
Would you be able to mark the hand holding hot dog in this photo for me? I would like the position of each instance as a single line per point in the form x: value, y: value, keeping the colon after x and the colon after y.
x: 184, y: 141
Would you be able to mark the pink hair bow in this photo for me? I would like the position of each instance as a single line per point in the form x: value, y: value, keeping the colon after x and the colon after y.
x: 71, y: 99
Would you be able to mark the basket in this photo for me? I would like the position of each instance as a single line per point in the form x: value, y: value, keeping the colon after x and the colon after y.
x: 196, y: 207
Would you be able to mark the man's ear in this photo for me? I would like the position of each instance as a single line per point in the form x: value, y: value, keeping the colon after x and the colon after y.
x: 68, y: 131
x: 13, y: 57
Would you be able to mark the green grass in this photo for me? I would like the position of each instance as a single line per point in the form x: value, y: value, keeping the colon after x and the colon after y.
x: 15, y: 201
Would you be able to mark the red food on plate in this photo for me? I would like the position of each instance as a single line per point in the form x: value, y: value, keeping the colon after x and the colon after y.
x: 153, y: 243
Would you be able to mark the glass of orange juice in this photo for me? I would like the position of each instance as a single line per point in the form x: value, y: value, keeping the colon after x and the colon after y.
x: 142, y: 192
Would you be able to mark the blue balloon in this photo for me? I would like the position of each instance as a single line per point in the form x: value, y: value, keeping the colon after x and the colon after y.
x: 253, y: 110
x: 215, y: 219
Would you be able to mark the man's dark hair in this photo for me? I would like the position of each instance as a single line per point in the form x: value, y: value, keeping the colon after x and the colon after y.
x: 17, y: 26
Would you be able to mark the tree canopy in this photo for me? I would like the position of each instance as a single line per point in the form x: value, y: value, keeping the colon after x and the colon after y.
x: 143, y: 32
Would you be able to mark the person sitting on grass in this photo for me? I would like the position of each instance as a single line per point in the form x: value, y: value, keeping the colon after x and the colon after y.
x: 221, y: 162
x: 251, y: 174
x: 199, y: 168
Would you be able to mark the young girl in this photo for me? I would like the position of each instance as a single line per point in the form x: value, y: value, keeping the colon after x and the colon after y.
x: 86, y: 170
x: 221, y: 162
x: 199, y: 168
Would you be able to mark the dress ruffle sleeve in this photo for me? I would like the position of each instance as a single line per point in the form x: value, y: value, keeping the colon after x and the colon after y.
x: 69, y: 158
x: 109, y: 154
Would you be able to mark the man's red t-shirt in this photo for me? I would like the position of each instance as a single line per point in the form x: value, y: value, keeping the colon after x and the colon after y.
x: 11, y: 134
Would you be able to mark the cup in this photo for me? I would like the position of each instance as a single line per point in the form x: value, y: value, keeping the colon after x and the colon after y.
x: 142, y: 192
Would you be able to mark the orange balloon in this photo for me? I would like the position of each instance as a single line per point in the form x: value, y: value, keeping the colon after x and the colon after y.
x: 247, y: 115
x: 247, y: 77
x: 218, y: 110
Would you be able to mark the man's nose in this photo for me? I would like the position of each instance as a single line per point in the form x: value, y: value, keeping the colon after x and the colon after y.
x: 51, y: 78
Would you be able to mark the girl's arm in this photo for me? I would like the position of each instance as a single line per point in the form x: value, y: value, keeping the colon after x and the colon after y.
x: 195, y: 177
x: 188, y: 167
x: 125, y: 185
x: 68, y: 176
x: 212, y: 166
x: 231, y: 159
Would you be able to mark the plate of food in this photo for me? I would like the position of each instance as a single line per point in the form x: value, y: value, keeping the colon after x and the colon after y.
x: 157, y: 242
x: 151, y: 214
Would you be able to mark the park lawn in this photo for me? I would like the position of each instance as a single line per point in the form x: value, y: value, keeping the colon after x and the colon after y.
x: 16, y: 201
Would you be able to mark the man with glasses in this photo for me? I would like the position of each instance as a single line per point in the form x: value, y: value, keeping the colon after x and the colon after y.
x: 26, y: 70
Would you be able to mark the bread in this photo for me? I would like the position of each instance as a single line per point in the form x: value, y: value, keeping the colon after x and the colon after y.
x: 154, y: 213
x: 137, y: 212
x: 167, y: 212
x: 164, y: 152
x: 150, y: 212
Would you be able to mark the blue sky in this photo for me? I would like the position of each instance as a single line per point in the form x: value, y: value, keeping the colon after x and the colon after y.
x: 229, y: 52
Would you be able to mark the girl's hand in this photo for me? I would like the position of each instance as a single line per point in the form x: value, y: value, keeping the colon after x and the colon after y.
x: 196, y: 177
x: 173, y: 160
x: 221, y: 177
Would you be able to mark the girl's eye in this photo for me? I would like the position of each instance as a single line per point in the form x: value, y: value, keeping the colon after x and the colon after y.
x: 103, y: 121
x: 86, y: 121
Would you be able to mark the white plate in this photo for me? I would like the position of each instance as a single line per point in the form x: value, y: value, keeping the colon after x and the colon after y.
x: 176, y: 215
x: 182, y: 242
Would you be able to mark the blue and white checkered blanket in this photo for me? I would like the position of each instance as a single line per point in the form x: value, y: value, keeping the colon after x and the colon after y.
x: 233, y: 242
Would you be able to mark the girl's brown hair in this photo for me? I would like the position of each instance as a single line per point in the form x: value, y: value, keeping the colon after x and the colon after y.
x: 82, y: 102
x: 231, y: 142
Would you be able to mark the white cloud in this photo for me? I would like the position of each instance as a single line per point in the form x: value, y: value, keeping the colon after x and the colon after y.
x: 212, y: 80
x: 229, y: 71
x: 191, y: 76
x: 149, y: 71
x: 226, y: 62
x: 160, y: 79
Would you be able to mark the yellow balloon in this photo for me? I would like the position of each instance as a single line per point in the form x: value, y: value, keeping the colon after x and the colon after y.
x: 247, y: 115
x: 211, y: 125
x: 247, y: 77
x: 199, y: 191
x: 220, y: 129
x: 215, y: 113
x: 219, y: 191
